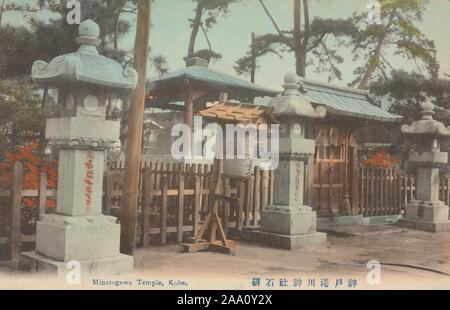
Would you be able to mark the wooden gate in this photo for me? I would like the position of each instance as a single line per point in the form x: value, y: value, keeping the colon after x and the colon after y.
x: 332, y: 185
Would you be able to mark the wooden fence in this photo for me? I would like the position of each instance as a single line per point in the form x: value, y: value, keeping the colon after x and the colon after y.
x: 174, y: 199
x: 387, y: 191
x: 173, y: 202
x: 12, y: 200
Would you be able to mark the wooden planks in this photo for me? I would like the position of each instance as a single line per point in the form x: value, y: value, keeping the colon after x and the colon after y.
x: 387, y: 191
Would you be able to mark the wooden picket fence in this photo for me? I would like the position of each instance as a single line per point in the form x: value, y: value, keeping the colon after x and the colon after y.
x: 174, y: 199
x: 12, y: 200
x: 387, y: 191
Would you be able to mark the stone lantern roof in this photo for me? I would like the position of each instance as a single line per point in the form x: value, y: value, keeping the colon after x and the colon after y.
x: 85, y: 65
x: 427, y: 126
x: 294, y: 102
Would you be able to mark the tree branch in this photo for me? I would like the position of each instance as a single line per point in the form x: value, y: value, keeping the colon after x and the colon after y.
x: 206, y: 36
x: 1, y: 11
x: 286, y: 39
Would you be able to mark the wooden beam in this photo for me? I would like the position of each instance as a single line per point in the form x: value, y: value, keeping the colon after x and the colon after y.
x: 189, y: 105
x: 16, y: 205
x: 42, y: 195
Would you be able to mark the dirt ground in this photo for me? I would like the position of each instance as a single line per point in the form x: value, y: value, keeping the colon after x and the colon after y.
x: 409, y: 260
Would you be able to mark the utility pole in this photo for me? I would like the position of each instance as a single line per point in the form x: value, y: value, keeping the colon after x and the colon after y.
x: 134, y: 135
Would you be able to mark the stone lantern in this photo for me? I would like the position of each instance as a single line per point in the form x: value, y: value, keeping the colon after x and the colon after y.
x: 288, y: 223
x: 86, y: 82
x: 427, y: 212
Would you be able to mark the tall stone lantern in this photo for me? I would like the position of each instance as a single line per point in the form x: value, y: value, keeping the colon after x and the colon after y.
x: 78, y: 231
x: 427, y: 212
x: 289, y: 223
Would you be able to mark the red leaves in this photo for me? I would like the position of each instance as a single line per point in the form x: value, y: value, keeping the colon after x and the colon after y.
x: 33, y: 167
x: 381, y: 160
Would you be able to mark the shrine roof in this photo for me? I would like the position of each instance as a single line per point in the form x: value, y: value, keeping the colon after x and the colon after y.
x: 343, y: 101
x: 210, y: 78
x: 347, y: 101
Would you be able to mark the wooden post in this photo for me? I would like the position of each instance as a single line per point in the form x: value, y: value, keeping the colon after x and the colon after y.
x: 196, y: 208
x: 16, y: 205
x: 42, y: 195
x: 256, y: 196
x: 308, y: 196
x: 165, y: 189
x: 135, y: 128
x: 265, y: 190
x: 249, y: 200
x: 372, y: 191
x: 271, y: 186
x: 181, y: 205
x: 355, y: 178
x: 240, y: 209
x: 189, y: 105
x: 146, y: 203
x: 226, y: 209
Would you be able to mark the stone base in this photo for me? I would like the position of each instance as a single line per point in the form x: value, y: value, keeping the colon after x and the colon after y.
x: 287, y: 242
x: 426, y: 226
x: 284, y: 220
x: 81, y: 238
x: 427, y: 211
x: 37, y: 263
x: 346, y: 220
x: 426, y: 215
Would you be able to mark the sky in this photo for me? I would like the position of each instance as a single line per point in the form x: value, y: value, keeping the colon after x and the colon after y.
x: 231, y: 36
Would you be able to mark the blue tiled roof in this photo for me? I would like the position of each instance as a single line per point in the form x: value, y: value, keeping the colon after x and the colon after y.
x: 213, y: 77
x: 346, y: 101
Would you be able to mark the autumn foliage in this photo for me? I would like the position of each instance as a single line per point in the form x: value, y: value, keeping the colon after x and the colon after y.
x: 381, y: 160
x: 33, y: 166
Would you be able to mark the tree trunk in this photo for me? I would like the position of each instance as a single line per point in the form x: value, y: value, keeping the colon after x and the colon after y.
x: 2, y: 8
x: 373, y: 62
x: 116, y: 32
x: 195, y: 28
x: 135, y: 130
x: 298, y: 46
x: 253, y: 68
x: 305, y: 39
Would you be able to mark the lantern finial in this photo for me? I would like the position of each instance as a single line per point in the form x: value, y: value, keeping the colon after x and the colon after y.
x: 427, y: 110
x: 89, y: 33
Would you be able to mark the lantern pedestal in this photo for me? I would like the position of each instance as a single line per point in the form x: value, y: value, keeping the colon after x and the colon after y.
x: 82, y: 238
x: 289, y: 224
x: 35, y: 262
x: 93, y: 241
x: 426, y: 215
x: 78, y: 233
x: 427, y: 212
x: 289, y: 228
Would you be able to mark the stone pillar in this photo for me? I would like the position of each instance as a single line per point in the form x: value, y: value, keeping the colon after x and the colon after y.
x: 78, y: 231
x: 427, y: 212
x: 288, y: 223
